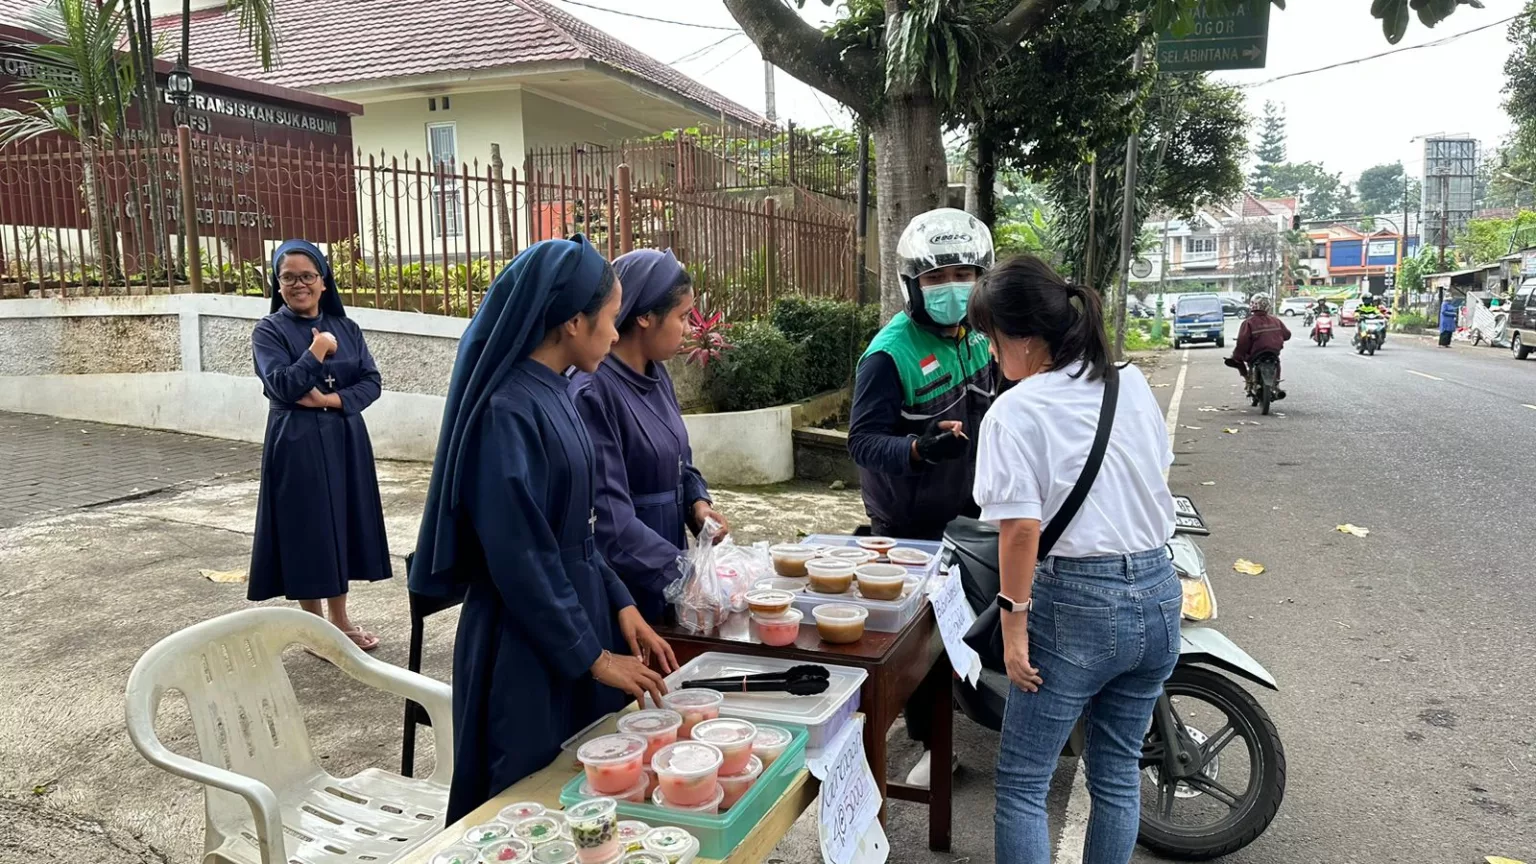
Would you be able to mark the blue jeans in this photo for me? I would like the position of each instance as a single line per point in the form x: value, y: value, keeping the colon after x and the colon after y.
x: 1104, y: 634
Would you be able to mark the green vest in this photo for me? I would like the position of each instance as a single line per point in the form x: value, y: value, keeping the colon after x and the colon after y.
x: 935, y: 370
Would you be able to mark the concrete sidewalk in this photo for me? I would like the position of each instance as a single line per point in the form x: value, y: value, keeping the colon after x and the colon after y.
x: 86, y: 591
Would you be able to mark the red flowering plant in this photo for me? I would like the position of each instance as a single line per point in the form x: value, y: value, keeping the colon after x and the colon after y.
x: 706, y: 338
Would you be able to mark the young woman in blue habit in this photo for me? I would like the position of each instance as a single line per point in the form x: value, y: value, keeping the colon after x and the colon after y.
x: 319, y: 522
x: 549, y: 638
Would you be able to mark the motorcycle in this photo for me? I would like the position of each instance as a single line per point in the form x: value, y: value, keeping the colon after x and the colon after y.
x: 1322, y: 332
x: 1201, y: 796
x: 1369, y: 335
x: 1306, y: 320
x: 1264, y: 380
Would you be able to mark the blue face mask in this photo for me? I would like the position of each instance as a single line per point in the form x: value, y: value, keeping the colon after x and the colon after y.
x: 946, y: 303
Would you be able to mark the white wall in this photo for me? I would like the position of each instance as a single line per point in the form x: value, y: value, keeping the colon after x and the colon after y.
x: 744, y: 448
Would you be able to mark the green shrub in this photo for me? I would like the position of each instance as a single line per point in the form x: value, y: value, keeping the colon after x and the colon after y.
x: 762, y: 369
x: 1414, y: 322
x: 833, y: 334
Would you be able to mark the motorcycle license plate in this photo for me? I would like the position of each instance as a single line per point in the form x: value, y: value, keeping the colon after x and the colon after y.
x: 1186, y: 518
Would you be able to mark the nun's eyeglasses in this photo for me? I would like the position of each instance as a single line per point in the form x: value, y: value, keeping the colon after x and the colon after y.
x: 289, y: 280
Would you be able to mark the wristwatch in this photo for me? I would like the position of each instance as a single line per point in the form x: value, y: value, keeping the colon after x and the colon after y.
x: 1008, y: 604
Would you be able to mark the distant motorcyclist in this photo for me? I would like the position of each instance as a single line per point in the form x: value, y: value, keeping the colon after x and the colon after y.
x: 1372, y: 307
x: 1261, y: 333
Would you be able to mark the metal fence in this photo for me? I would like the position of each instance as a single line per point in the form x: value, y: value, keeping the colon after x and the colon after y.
x: 402, y: 231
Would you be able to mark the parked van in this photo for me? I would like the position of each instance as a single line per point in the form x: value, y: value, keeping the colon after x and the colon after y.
x: 1199, y: 318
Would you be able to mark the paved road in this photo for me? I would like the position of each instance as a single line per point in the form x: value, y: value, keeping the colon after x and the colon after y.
x: 54, y: 465
x: 1406, y: 658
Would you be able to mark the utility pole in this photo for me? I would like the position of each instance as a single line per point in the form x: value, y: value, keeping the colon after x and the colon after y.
x: 771, y: 111
x: 1402, y: 256
x: 1445, y: 215
x: 1127, y: 221
x: 1162, y: 283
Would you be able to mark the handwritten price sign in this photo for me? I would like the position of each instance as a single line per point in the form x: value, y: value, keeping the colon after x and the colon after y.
x: 955, y: 619
x: 850, y: 801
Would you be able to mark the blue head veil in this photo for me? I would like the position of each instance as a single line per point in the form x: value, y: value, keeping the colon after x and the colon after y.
x: 547, y: 284
x: 330, y: 299
x: 648, y: 276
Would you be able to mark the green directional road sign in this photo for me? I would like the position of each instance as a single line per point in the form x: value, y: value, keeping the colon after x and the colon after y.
x: 1235, y: 39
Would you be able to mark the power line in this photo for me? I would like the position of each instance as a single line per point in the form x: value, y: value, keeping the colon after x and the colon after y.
x: 830, y: 120
x: 726, y: 60
x: 649, y: 18
x: 700, y: 52
x: 1431, y: 44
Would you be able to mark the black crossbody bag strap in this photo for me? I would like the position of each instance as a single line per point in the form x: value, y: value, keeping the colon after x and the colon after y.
x: 986, y: 636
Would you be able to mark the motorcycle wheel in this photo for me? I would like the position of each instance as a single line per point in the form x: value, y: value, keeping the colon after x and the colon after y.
x: 1370, y: 348
x: 1208, y: 818
x: 1264, y: 397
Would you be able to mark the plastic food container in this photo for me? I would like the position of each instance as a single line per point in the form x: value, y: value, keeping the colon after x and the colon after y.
x: 778, y: 630
x: 840, y: 624
x: 557, y: 852
x: 789, y: 558
x: 658, y: 726
x: 613, y: 762
x: 906, y: 556
x: 823, y: 715
x: 632, y: 833
x: 769, y: 602
x: 830, y: 576
x: 457, y: 855
x: 880, y: 581
x: 482, y: 836
x: 770, y: 743
x: 780, y: 583
x: 687, y: 772
x: 878, y: 545
x: 515, y: 813
x: 736, y: 785
x: 708, y: 808
x: 595, y: 829
x: 509, y: 851
x: 673, y: 844
x: 732, y: 737
x: 643, y: 857
x: 849, y: 553
x: 538, y: 830
x: 635, y: 794
x: 695, y: 706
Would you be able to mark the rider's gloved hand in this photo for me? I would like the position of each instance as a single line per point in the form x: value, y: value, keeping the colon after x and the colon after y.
x: 937, y: 444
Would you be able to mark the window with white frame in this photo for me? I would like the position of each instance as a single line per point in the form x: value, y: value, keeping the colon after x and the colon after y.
x: 1199, y: 247
x: 447, y: 206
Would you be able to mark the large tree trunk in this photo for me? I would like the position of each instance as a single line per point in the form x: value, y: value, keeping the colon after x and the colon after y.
x: 981, y: 177
x: 910, y: 175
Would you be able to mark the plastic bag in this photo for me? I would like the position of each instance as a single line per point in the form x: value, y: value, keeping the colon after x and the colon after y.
x: 714, y: 582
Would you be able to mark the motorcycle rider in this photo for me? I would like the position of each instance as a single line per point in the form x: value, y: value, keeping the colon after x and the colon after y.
x: 1261, y: 333
x: 1318, y: 312
x: 1371, y: 307
x: 920, y: 392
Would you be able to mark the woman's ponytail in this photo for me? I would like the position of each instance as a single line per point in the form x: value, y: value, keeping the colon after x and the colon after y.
x: 1025, y: 298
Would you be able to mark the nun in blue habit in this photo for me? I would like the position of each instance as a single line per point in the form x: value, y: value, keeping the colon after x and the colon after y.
x: 648, y: 491
x: 319, y: 523
x: 549, y: 638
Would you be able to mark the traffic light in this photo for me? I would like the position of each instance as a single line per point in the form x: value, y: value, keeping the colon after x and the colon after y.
x: 1296, y: 222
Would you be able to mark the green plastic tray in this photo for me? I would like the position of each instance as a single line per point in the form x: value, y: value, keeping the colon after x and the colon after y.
x: 720, y: 834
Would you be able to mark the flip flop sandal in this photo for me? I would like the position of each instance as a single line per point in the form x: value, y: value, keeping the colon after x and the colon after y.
x: 362, y: 638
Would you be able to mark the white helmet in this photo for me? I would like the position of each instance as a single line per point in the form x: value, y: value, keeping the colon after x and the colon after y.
x: 942, y: 238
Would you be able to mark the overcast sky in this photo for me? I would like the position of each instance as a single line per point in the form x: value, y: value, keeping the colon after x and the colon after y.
x: 1348, y: 118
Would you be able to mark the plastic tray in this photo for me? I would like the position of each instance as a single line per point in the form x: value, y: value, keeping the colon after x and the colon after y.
x: 822, y: 716
x: 719, y: 834
x: 885, y: 616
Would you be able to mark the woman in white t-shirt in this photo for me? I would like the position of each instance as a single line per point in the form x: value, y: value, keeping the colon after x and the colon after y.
x: 1094, y: 628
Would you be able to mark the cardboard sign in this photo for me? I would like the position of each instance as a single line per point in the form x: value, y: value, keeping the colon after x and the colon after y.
x: 955, y: 618
x: 850, y: 801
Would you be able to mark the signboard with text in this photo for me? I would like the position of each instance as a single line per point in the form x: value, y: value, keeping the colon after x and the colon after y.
x: 1237, y: 38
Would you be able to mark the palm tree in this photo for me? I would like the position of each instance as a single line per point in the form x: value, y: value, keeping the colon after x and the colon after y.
x: 76, y: 85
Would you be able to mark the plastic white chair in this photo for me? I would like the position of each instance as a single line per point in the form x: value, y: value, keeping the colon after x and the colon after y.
x: 268, y: 799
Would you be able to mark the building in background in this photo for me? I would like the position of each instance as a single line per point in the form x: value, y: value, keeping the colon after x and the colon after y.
x: 1238, y: 248
x: 1448, y: 202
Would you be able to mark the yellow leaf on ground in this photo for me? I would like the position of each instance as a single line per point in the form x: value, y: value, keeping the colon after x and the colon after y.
x: 223, y: 575
x: 1497, y: 859
x: 1208, y: 483
x: 1247, y: 567
x: 1356, y: 530
x: 1230, y: 431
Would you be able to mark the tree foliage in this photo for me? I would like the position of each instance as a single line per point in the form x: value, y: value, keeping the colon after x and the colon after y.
x: 1271, y: 148
x: 1381, y: 190
x: 1322, y: 194
x: 1487, y: 240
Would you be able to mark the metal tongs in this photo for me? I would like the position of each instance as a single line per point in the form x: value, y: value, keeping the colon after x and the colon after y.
x: 806, y: 680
